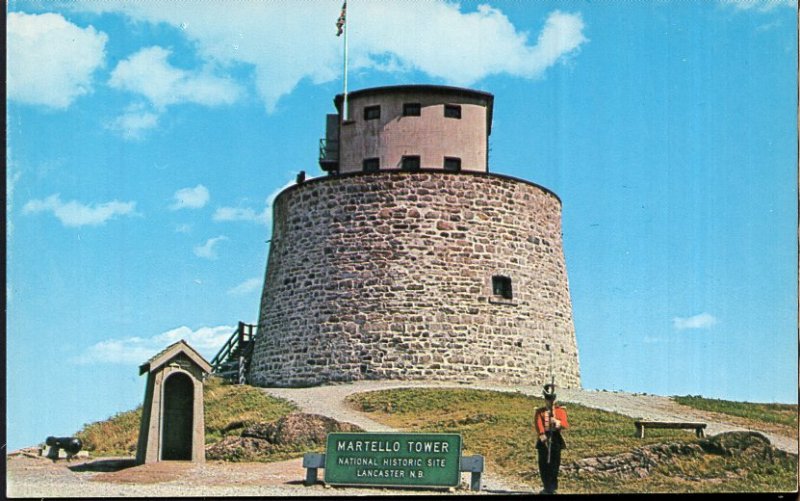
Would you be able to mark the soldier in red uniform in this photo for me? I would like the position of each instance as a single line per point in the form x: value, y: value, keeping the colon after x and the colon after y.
x: 550, y: 421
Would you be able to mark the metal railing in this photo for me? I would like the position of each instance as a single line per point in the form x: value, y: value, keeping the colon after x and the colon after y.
x: 328, y: 150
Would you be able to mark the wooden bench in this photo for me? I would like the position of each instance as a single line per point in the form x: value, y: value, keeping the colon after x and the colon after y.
x: 697, y: 427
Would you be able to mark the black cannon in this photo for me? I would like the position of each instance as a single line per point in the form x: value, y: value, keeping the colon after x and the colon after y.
x: 71, y: 445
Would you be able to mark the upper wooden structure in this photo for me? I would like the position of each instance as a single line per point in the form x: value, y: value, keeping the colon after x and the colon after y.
x: 409, y: 127
x: 173, y: 420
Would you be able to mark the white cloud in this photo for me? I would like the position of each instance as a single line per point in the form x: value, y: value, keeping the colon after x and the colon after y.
x: 135, y: 350
x: 190, y: 198
x: 150, y: 74
x: 246, y: 287
x: 51, y: 61
x: 263, y: 216
x: 241, y: 214
x: 134, y: 122
x: 13, y: 174
x: 208, y: 250
x: 700, y: 321
x: 466, y: 44
x: 74, y: 213
x: 274, y: 39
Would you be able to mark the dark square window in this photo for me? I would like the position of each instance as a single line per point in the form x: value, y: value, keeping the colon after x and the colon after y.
x: 412, y: 109
x: 452, y: 111
x: 501, y: 286
x: 410, y: 163
x: 452, y: 164
x: 372, y: 112
x: 371, y: 164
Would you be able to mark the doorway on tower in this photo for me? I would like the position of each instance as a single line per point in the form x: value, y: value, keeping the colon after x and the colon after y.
x: 176, y: 436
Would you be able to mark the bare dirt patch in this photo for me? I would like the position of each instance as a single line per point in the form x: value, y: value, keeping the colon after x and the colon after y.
x: 210, y: 473
x: 29, y: 476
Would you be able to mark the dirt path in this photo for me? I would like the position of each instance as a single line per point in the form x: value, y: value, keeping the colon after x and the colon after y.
x: 329, y: 401
x: 665, y: 409
x: 29, y: 476
x: 36, y: 477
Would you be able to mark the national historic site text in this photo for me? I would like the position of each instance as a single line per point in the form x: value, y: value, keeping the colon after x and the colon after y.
x: 375, y: 467
x: 412, y: 459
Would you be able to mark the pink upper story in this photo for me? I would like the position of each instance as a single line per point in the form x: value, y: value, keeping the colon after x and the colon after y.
x: 414, y: 126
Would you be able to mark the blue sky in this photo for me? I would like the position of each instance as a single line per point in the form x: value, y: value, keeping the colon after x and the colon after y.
x: 147, y: 139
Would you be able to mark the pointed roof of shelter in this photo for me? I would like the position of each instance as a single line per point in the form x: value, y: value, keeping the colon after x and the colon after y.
x: 171, y: 352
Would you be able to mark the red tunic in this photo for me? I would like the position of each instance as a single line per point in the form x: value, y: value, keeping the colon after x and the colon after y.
x: 560, y: 414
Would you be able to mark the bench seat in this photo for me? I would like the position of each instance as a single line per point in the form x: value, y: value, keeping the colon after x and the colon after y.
x: 699, y: 428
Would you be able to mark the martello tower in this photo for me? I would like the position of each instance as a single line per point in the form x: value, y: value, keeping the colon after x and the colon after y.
x: 409, y: 260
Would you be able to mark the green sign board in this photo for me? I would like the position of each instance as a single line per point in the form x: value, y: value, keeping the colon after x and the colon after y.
x: 393, y: 459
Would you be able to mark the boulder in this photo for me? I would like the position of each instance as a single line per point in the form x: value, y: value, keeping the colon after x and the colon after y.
x: 293, y: 432
x: 239, y: 449
x: 637, y: 463
x: 734, y: 443
x: 298, y: 428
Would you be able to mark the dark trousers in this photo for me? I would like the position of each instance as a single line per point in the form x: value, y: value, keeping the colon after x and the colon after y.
x: 549, y: 471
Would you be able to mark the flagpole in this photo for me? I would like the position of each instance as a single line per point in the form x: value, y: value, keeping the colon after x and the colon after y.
x: 344, y: 108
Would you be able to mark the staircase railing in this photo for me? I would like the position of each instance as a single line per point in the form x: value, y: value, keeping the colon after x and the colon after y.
x: 233, y: 358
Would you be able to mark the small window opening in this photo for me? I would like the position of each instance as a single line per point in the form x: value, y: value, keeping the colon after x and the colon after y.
x: 410, y: 163
x: 452, y: 164
x: 412, y: 109
x: 501, y: 286
x: 452, y: 111
x: 371, y: 164
x: 372, y: 112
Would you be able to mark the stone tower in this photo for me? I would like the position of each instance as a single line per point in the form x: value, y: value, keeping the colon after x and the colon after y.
x: 409, y: 260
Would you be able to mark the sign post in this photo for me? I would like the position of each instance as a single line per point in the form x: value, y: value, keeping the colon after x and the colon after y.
x: 393, y: 459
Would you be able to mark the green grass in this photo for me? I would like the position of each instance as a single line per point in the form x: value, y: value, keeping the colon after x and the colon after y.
x: 781, y: 414
x: 116, y: 436
x: 499, y: 426
x: 493, y: 421
x: 228, y: 408
x: 708, y: 473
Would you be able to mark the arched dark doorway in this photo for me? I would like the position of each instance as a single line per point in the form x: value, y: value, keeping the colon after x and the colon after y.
x: 176, y: 438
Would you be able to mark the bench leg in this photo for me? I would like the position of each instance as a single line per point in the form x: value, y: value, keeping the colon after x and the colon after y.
x: 475, y: 481
x: 640, y: 430
x: 311, y: 476
x: 700, y: 433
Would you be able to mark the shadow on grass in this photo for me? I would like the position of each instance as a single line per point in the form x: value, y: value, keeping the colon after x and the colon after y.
x: 104, y: 465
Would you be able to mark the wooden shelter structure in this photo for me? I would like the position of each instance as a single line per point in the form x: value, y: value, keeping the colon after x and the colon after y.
x: 173, y: 421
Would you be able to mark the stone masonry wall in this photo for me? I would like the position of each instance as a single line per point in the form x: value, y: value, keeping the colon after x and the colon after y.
x: 389, y: 276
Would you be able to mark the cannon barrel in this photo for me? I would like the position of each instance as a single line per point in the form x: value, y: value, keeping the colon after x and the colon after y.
x: 72, y: 445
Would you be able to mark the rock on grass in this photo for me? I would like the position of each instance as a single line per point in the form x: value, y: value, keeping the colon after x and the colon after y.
x: 298, y: 428
x: 294, y: 432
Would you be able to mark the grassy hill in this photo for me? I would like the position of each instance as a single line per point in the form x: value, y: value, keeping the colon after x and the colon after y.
x: 228, y: 408
x: 498, y: 426
x: 782, y: 415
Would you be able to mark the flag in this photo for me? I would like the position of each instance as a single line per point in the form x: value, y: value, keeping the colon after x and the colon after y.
x: 340, y: 21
